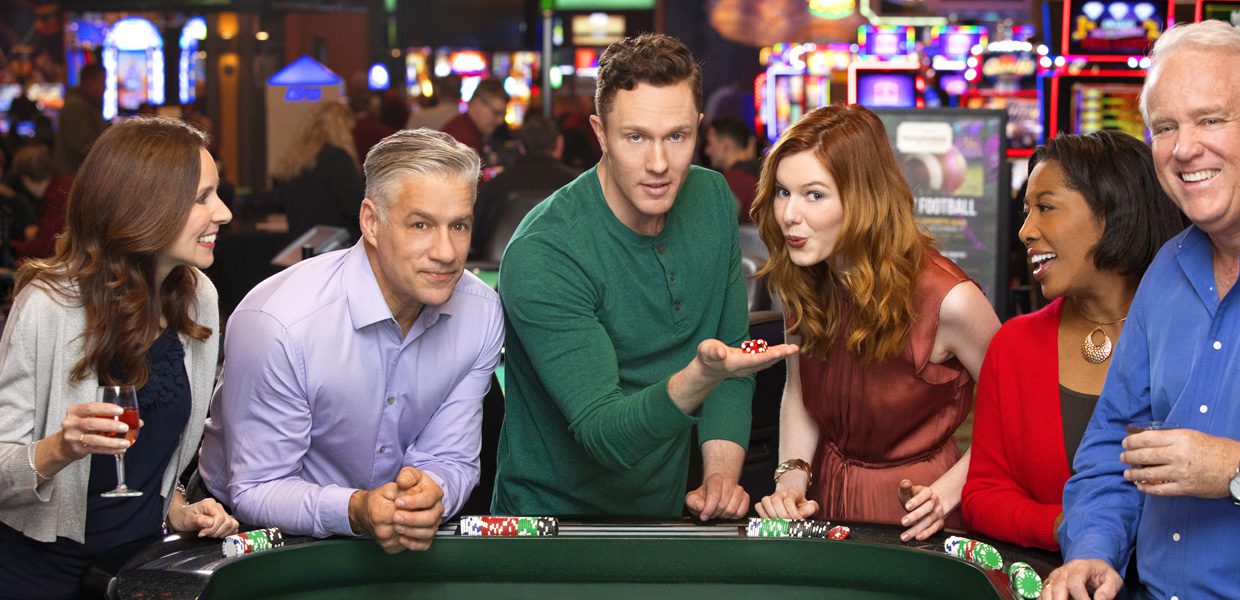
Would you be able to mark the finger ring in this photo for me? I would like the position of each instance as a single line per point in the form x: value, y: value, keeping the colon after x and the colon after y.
x: 82, y: 439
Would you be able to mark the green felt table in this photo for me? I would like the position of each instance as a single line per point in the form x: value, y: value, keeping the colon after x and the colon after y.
x: 672, y: 560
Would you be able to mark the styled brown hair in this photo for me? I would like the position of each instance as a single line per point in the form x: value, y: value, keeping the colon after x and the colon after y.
x: 871, y: 275
x: 654, y: 58
x: 128, y: 202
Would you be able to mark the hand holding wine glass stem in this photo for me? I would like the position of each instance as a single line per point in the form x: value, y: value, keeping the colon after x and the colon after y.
x: 126, y: 398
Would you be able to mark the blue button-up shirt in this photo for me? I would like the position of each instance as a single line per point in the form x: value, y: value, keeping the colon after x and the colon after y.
x: 1178, y: 361
x: 321, y: 395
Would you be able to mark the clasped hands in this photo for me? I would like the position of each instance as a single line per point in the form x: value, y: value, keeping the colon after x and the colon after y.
x: 400, y: 515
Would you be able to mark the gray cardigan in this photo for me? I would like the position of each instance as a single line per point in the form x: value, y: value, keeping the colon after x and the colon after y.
x: 41, y: 343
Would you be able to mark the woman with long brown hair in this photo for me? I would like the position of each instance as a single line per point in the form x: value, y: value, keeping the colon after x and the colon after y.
x: 892, y: 334
x: 121, y: 302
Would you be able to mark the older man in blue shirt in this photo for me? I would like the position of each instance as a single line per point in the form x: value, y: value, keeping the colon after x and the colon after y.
x: 1173, y: 492
x: 350, y: 401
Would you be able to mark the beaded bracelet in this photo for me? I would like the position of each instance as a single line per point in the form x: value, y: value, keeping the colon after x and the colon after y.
x: 30, y: 459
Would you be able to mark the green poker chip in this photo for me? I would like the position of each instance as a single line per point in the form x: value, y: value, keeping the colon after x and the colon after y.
x: 1025, y: 581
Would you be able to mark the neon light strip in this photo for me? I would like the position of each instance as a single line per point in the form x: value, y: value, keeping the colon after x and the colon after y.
x: 874, y: 18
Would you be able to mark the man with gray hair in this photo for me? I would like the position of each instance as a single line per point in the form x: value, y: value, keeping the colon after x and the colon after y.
x: 351, y: 397
x: 1170, y: 492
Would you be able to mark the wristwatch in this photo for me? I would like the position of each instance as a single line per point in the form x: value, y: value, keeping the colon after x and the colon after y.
x: 791, y: 464
x: 1234, y: 486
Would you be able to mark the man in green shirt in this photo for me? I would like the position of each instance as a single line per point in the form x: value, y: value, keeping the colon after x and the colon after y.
x: 625, y: 308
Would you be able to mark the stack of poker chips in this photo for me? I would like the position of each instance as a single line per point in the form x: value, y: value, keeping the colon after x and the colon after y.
x: 795, y: 528
x: 1025, y: 581
x: 981, y: 554
x: 510, y: 526
x: 250, y: 542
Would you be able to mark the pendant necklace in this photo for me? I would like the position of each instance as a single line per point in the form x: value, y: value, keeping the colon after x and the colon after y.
x: 1094, y: 353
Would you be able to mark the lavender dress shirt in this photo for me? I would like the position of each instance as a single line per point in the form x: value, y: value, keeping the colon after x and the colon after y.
x: 320, y: 396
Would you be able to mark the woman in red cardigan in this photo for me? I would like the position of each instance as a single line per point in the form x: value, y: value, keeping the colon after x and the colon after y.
x: 1096, y: 216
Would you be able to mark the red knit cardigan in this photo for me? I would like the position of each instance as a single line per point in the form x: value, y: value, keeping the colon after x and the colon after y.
x: 1019, y: 465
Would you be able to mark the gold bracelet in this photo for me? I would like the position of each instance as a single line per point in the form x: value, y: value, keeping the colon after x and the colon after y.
x: 30, y: 459
x: 791, y: 464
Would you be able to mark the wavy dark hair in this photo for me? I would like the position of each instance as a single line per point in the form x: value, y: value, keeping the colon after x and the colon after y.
x: 872, y: 273
x: 128, y: 202
x: 1115, y: 174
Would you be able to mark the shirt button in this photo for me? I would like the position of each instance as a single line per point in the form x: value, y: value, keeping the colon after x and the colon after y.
x: 1218, y: 345
x: 672, y: 276
x: 659, y: 249
x: 383, y: 449
x: 678, y: 306
x: 1175, y: 536
x: 1204, y: 409
x: 391, y: 400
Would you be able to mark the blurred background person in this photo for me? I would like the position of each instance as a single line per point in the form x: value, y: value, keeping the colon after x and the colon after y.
x: 81, y: 119
x: 367, y: 128
x: 20, y: 197
x: 538, y: 171
x: 483, y: 115
x: 732, y: 150
x: 123, y: 301
x: 446, y: 107
x: 318, y: 180
x: 1095, y: 217
x: 892, y: 334
x: 27, y: 125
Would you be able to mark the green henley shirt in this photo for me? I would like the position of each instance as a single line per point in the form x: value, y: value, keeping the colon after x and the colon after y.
x: 599, y: 318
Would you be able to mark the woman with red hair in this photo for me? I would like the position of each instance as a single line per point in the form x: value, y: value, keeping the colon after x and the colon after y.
x: 892, y: 334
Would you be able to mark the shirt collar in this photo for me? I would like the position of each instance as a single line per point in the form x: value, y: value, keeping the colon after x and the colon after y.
x: 367, y: 305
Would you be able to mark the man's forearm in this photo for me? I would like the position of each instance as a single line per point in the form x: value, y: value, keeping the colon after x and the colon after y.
x: 689, y: 387
x: 722, y: 457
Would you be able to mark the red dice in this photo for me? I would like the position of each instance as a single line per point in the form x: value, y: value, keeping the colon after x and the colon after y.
x: 753, y: 346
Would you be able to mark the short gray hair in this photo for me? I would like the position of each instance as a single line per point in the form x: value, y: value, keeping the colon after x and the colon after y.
x: 416, y: 153
x: 1206, y: 35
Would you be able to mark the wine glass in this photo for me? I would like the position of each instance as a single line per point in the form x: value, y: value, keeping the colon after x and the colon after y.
x: 125, y: 397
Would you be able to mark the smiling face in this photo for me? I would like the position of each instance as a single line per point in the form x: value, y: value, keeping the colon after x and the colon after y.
x: 647, y: 140
x: 195, y: 244
x: 417, y: 248
x: 1060, y: 230
x: 808, y: 208
x: 1194, y: 118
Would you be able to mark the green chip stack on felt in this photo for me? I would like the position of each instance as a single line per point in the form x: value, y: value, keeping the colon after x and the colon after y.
x: 978, y: 553
x: 1025, y: 581
x: 767, y: 528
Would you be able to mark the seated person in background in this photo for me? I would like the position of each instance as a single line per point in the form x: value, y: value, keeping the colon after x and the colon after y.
x: 317, y: 179
x: 732, y: 149
x: 1095, y: 218
x: 892, y: 333
x: 538, y: 170
x: 617, y: 291
x: 121, y: 303
x: 483, y: 115
x: 351, y: 397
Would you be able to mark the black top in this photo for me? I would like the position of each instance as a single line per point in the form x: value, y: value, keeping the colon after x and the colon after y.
x: 1077, y: 408
x: 329, y: 194
x: 115, y: 527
